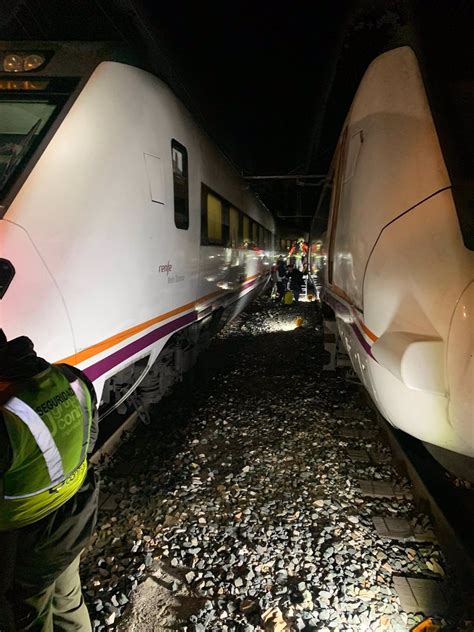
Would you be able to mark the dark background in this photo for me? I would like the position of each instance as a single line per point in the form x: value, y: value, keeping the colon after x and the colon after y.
x: 271, y: 83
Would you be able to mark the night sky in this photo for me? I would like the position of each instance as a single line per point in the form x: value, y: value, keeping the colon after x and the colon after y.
x: 270, y: 82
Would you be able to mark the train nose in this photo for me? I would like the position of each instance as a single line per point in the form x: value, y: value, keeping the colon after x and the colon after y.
x: 460, y: 368
x: 30, y: 302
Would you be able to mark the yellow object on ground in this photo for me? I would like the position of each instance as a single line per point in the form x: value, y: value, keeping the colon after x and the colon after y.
x: 299, y: 321
x: 428, y: 625
x: 288, y: 298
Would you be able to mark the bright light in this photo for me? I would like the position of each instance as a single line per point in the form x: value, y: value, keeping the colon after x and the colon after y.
x: 31, y: 62
x: 14, y: 62
x: 282, y: 325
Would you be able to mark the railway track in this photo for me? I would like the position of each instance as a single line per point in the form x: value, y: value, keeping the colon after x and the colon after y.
x: 451, y: 512
x: 451, y: 507
x: 214, y: 520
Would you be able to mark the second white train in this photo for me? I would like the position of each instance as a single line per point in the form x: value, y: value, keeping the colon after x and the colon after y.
x: 399, y: 251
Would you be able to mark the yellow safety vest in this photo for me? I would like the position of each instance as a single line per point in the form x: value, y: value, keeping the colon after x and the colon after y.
x: 48, y: 424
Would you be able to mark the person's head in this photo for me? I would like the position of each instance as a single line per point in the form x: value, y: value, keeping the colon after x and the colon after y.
x: 18, y: 359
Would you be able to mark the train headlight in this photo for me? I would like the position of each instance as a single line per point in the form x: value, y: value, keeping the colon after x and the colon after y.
x: 16, y: 62
x: 33, y: 61
x: 13, y: 63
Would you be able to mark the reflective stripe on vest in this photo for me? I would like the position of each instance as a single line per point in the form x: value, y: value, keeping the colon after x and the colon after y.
x: 78, y: 388
x: 43, y: 438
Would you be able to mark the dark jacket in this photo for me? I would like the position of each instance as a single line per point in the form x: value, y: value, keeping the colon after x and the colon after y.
x: 35, y: 555
x: 296, y: 279
x: 281, y: 269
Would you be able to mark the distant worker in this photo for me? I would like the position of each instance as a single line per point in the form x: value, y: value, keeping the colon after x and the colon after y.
x: 281, y: 278
x: 274, y: 280
x: 48, y: 496
x: 298, y: 253
x: 296, y: 282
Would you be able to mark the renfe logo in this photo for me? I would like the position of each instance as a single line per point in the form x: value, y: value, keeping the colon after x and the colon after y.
x: 167, y: 267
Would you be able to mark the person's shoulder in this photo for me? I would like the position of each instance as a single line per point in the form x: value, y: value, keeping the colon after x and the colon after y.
x: 69, y: 371
x: 72, y: 373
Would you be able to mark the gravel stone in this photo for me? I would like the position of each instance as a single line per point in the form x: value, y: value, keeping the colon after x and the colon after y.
x: 240, y: 502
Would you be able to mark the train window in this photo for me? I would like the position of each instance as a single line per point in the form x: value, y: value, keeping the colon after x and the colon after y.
x: 282, y: 244
x: 323, y: 207
x: 261, y: 237
x: 335, y: 199
x: 255, y: 233
x: 234, y: 221
x: 214, y: 219
x: 246, y: 229
x: 180, y: 185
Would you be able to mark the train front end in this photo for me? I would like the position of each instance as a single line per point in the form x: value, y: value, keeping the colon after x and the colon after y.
x: 39, y: 82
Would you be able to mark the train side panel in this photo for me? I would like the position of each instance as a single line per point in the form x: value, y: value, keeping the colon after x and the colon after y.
x: 229, y: 273
x: 88, y: 209
x: 99, y: 209
x: 391, y: 160
x: 399, y: 276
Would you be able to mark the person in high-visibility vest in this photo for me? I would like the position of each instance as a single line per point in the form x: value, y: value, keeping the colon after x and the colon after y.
x: 48, y: 495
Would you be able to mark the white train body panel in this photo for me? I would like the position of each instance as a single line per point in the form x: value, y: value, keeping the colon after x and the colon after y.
x: 103, y: 276
x: 399, y: 275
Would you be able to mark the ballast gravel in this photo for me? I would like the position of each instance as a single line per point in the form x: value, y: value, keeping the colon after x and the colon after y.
x: 240, y: 506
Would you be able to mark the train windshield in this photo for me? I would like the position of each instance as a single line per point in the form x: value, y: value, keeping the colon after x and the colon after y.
x: 22, y: 124
x: 28, y: 109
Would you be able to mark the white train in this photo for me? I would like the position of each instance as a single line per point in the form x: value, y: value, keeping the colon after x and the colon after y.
x: 399, y: 260
x: 122, y: 224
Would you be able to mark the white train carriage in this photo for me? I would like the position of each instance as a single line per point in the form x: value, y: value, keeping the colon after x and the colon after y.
x: 400, y: 262
x: 121, y: 223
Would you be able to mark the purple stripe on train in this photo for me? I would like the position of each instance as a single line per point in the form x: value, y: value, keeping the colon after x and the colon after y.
x: 362, y: 340
x: 102, y: 366
x: 342, y: 309
x: 249, y: 283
